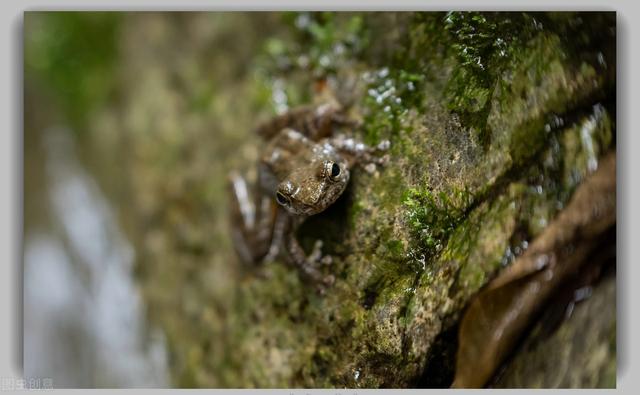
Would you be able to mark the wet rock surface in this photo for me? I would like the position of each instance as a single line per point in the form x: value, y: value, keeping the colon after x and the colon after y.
x: 587, y: 339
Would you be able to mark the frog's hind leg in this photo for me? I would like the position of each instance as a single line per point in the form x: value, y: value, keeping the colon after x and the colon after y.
x: 252, y: 224
x: 320, y: 123
x: 289, y: 119
x: 314, y: 122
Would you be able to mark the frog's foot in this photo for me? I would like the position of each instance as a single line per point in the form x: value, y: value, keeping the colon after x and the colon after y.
x: 375, y: 157
x: 326, y: 283
x: 319, y: 260
x: 378, y: 153
x: 310, y: 265
x: 316, y: 256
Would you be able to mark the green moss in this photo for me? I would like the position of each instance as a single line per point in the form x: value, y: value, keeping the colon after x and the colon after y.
x: 394, y: 249
x: 480, y: 243
x: 75, y: 55
x: 432, y: 218
x: 391, y: 93
x: 322, y: 42
x: 485, y: 45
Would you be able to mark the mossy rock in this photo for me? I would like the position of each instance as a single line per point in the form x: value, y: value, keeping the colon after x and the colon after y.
x: 493, y: 119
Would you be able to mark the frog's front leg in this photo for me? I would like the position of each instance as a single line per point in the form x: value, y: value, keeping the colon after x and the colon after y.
x: 254, y: 225
x: 309, y: 265
x: 360, y: 153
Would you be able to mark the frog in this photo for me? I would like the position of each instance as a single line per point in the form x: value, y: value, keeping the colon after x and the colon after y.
x: 304, y: 166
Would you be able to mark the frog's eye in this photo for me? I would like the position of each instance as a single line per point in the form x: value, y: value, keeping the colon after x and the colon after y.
x: 332, y: 170
x: 335, y: 170
x: 282, y: 199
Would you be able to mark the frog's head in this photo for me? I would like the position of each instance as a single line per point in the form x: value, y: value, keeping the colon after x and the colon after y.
x: 311, y: 189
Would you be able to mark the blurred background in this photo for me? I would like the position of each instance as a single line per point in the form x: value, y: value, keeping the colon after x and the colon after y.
x: 84, y: 318
x: 132, y: 122
x: 82, y: 308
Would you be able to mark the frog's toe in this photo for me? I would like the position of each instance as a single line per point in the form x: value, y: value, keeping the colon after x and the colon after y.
x: 326, y: 282
x: 327, y: 260
x: 316, y: 252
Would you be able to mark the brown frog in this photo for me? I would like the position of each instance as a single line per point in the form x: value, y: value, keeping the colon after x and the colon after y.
x: 304, y: 167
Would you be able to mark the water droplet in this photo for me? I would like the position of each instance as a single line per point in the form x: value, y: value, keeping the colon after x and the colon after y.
x: 324, y: 61
x: 537, y: 25
x: 279, y: 96
x: 302, y: 21
x: 586, y: 135
x: 542, y: 222
x: 582, y: 294
x: 601, y: 60
x: 303, y: 61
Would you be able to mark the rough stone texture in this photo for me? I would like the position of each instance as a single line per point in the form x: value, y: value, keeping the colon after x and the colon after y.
x: 493, y: 119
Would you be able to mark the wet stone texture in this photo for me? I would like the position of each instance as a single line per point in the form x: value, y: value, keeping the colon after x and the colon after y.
x: 494, y: 119
x: 586, y: 339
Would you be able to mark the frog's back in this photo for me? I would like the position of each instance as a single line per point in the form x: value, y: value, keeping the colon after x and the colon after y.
x: 287, y: 150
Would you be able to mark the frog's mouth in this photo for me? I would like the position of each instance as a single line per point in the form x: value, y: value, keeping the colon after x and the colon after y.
x: 310, y: 210
x: 298, y: 207
x: 322, y: 201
